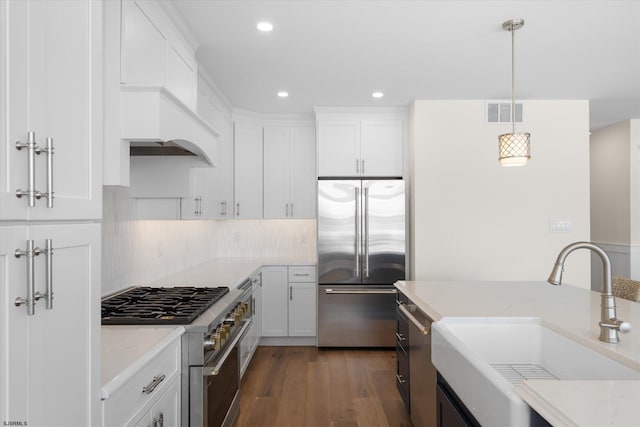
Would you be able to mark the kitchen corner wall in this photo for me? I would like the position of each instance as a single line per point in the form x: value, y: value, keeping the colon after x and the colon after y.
x: 137, y: 252
x: 615, y: 197
x: 473, y: 219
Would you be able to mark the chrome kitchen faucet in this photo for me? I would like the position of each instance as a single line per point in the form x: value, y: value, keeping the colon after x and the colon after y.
x: 609, y: 325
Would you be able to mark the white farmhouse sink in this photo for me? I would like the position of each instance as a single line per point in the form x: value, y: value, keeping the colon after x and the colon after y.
x: 474, y: 354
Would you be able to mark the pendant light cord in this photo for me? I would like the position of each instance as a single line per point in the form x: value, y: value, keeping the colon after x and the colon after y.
x: 513, y: 78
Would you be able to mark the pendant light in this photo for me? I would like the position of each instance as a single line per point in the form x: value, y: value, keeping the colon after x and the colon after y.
x: 514, y: 148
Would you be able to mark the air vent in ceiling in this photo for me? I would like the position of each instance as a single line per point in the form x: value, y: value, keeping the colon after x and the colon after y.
x: 500, y: 112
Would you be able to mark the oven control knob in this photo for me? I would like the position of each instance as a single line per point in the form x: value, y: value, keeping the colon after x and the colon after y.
x: 227, y: 328
x: 213, y: 342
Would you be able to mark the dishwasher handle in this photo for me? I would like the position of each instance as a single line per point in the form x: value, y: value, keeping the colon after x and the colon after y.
x: 424, y: 329
x: 361, y: 291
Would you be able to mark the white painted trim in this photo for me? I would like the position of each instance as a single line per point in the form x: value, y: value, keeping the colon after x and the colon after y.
x: 289, y: 119
x: 221, y: 97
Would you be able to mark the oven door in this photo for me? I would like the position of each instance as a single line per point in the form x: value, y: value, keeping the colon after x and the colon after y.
x: 215, y: 387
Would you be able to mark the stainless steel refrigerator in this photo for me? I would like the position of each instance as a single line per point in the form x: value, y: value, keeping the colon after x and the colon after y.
x: 361, y: 253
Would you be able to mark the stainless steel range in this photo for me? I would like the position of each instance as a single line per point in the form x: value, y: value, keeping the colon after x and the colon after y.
x: 215, y: 320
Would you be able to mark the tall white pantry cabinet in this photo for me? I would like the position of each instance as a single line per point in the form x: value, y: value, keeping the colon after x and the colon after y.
x: 50, y: 154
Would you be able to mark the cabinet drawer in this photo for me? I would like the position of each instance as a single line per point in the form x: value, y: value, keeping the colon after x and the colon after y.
x: 304, y: 273
x: 130, y: 398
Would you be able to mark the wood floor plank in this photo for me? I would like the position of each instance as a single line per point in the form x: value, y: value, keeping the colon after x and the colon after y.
x: 311, y: 387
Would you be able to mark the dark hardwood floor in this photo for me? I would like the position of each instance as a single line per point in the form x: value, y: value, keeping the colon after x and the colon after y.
x: 306, y: 386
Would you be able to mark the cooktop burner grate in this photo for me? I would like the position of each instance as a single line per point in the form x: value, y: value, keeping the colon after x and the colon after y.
x: 159, y: 306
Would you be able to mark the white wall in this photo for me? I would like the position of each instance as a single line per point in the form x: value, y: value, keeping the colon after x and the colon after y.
x: 472, y: 218
x: 138, y: 252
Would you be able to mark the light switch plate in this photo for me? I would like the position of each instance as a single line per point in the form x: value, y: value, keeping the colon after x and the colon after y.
x: 556, y: 226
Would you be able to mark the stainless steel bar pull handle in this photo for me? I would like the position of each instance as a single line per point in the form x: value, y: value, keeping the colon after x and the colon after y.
x: 238, y: 209
x: 48, y: 297
x: 30, y: 192
x: 357, y: 239
x: 286, y: 209
x: 357, y: 166
x: 30, y: 300
x: 362, y: 163
x: 32, y: 149
x: 216, y: 369
x: 148, y: 389
x: 290, y: 293
x: 360, y: 292
x: 223, y: 208
x: 424, y: 329
x: 49, y: 151
x: 366, y: 229
x: 291, y: 209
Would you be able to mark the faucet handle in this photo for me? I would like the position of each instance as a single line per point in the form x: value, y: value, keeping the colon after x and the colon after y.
x: 623, y: 327
x: 613, y: 326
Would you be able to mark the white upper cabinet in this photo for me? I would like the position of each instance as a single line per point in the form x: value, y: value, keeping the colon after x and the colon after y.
x: 51, y: 90
x: 338, y: 148
x: 248, y: 171
x: 360, y: 147
x: 381, y: 148
x: 289, y: 172
x: 143, y: 48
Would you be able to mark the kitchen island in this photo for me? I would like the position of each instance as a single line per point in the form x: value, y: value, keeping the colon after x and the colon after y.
x: 570, y: 311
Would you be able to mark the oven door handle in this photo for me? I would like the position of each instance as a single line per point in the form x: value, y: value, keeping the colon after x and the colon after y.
x: 207, y: 371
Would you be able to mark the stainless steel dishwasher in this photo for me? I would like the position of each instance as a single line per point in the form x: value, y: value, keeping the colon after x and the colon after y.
x: 422, y: 373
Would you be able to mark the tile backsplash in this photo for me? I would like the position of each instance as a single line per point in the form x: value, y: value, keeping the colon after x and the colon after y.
x: 137, y: 252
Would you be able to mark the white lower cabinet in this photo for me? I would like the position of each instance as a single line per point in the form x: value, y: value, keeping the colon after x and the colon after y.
x: 166, y: 411
x: 50, y: 358
x: 289, y: 301
x: 149, y: 395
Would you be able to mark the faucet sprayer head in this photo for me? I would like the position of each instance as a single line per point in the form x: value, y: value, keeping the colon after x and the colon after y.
x: 555, y: 278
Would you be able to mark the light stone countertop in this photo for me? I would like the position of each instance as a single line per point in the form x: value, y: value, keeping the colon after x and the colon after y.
x: 570, y: 311
x: 225, y: 271
x: 125, y: 349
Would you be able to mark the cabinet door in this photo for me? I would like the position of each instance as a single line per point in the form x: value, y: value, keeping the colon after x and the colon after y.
x: 277, y: 166
x: 219, y: 185
x: 57, y: 347
x: 51, y: 54
x: 166, y: 411
x: 338, y: 148
x: 192, y: 207
x: 302, y: 309
x: 274, y: 302
x: 248, y: 171
x: 381, y: 148
x: 302, y: 187
x: 143, y: 48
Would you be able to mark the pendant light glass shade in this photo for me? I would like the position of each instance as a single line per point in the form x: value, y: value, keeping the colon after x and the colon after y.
x: 513, y: 148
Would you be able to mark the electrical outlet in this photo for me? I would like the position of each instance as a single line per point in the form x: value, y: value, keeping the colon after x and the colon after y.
x: 556, y: 226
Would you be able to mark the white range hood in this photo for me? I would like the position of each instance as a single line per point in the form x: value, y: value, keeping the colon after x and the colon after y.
x: 152, y: 114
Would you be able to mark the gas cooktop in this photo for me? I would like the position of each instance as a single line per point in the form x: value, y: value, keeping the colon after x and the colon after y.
x: 178, y: 305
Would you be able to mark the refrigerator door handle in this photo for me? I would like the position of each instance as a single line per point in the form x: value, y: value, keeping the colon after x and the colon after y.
x: 358, y: 238
x: 360, y: 291
x: 366, y: 231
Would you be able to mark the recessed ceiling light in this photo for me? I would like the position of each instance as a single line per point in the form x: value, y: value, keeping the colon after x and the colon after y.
x: 283, y: 94
x: 377, y: 94
x: 265, y: 26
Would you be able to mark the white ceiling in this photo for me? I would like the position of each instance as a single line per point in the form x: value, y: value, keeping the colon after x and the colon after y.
x: 337, y: 52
